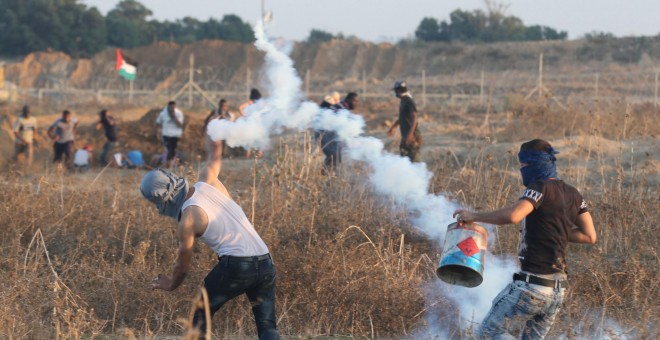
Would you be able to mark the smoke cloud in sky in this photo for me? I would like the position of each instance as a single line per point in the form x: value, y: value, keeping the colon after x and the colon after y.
x: 391, y: 175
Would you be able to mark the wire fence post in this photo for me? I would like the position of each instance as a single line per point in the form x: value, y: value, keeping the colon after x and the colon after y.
x: 307, y: 79
x: 655, y: 95
x: 191, y: 76
x: 597, y: 84
x: 364, y: 84
x: 541, y: 75
x: 248, y: 80
x: 481, y: 89
x: 423, y: 88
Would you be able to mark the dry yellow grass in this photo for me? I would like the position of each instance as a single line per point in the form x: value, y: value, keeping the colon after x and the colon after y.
x: 78, y: 252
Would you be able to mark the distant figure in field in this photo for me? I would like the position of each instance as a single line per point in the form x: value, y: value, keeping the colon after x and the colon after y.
x: 81, y: 158
x: 63, y: 133
x: 255, y: 97
x: 222, y: 112
x: 25, y: 133
x: 131, y: 160
x: 207, y: 211
x: 411, y: 138
x: 170, y: 121
x: 553, y: 214
x: 350, y: 102
x: 110, y: 129
x: 330, y: 143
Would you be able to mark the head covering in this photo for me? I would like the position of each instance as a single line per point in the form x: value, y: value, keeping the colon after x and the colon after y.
x: 88, y: 147
x: 166, y: 190
x: 540, y: 165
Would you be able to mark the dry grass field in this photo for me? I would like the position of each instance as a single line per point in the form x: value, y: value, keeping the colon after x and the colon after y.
x: 77, y: 251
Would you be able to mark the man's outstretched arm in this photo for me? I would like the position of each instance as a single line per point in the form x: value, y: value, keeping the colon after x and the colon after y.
x: 193, y: 216
x: 213, y: 166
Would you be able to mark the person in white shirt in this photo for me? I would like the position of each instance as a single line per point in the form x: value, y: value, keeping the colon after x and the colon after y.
x: 170, y: 121
x: 81, y: 158
x: 206, y: 211
x: 25, y: 131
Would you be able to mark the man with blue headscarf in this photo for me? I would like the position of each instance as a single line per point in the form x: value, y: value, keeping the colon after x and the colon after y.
x: 207, y: 212
x: 553, y: 214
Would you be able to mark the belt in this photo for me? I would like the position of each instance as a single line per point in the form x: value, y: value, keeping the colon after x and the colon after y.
x: 245, y: 258
x: 540, y: 281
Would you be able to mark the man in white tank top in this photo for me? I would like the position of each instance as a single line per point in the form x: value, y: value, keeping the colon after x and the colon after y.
x: 206, y: 211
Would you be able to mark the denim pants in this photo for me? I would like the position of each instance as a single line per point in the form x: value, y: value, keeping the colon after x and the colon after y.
x: 233, y: 276
x: 524, y: 309
x: 107, y: 147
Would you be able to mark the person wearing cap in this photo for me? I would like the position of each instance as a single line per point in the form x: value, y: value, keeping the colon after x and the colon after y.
x: 170, y: 121
x: 553, y: 214
x: 206, y: 211
x: 411, y: 138
x: 81, y: 158
x: 25, y: 133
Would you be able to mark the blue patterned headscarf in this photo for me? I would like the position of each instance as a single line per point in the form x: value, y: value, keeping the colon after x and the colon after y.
x: 540, y: 165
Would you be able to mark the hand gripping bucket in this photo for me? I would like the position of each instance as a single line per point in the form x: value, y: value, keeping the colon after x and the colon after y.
x: 462, y: 260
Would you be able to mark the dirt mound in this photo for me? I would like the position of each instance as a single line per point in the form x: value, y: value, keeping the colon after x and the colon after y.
x: 225, y: 65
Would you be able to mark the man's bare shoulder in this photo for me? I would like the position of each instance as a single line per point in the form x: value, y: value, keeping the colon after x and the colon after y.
x: 216, y: 183
x: 193, y: 219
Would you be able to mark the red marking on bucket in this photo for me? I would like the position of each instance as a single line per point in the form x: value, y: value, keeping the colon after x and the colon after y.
x: 468, y: 246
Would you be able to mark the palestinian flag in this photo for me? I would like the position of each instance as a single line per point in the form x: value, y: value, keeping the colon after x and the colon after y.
x: 127, y: 68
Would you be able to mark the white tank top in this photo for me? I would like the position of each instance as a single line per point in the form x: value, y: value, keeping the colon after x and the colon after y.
x: 229, y: 232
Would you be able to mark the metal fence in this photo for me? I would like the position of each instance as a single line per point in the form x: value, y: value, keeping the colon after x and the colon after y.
x: 204, y: 86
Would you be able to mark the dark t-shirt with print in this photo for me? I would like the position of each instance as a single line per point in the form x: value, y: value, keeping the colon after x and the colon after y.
x: 407, y: 108
x: 110, y: 130
x: 545, y: 231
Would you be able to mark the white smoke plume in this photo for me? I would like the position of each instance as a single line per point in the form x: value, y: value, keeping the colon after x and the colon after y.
x: 392, y: 176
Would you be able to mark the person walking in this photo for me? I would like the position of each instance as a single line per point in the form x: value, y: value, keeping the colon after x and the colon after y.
x: 110, y: 129
x: 331, y: 145
x: 207, y: 211
x: 170, y: 121
x: 63, y: 133
x: 411, y: 138
x: 553, y: 213
x: 25, y: 133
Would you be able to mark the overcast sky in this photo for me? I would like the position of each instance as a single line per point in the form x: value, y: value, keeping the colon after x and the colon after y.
x: 390, y: 20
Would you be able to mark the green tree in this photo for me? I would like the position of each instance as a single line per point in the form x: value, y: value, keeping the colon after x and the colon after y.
x: 128, y: 26
x: 428, y: 30
x: 318, y: 36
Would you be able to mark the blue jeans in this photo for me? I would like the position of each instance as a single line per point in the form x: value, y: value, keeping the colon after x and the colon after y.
x: 107, y: 147
x: 234, y: 276
x: 524, y: 308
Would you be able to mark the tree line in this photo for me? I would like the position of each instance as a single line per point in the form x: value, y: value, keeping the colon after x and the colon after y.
x: 478, y: 26
x: 74, y: 28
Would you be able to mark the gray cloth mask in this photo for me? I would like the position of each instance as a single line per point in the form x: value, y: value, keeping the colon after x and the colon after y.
x: 166, y: 190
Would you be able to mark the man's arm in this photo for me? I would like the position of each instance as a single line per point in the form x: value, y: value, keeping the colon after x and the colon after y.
x: 177, y: 117
x: 509, y: 215
x: 390, y: 132
x: 192, y: 217
x: 213, y: 166
x: 584, y: 231
x: 51, y: 133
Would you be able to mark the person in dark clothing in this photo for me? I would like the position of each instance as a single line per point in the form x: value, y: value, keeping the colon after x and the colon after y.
x: 350, y: 102
x: 330, y: 143
x: 553, y: 214
x: 110, y: 129
x: 411, y: 138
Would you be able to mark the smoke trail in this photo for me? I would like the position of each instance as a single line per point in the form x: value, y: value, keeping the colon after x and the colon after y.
x: 392, y: 176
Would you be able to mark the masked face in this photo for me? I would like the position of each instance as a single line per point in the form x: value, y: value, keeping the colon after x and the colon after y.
x: 166, y: 190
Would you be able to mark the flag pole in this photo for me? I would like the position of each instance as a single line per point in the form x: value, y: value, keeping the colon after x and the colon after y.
x: 130, y: 91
